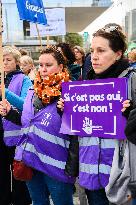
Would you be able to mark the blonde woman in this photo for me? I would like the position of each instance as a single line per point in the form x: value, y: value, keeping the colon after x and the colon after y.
x: 17, y: 85
x: 27, y: 66
x: 132, y: 58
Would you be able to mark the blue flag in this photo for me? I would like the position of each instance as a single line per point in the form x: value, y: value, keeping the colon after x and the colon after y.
x: 32, y: 10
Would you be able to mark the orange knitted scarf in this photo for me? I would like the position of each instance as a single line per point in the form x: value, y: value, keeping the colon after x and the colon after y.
x: 50, y: 87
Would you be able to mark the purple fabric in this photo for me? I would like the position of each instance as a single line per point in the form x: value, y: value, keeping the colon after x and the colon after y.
x: 87, y: 155
x: 15, y: 86
x: 38, y: 142
x: 33, y: 161
x: 11, y: 140
x: 28, y: 117
x: 27, y: 108
x: 91, y: 182
x: 95, y: 162
x: 19, y: 153
x: 93, y: 108
x: 44, y: 140
x: 16, y: 83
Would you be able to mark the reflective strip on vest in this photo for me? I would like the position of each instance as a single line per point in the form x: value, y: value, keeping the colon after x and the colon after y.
x: 13, y: 133
x: 49, y: 137
x: 93, y: 169
x: 44, y: 135
x: 44, y: 158
x: 16, y: 133
x: 91, y: 141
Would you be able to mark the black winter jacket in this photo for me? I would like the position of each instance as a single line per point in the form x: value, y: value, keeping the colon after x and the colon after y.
x: 130, y: 130
x: 72, y: 164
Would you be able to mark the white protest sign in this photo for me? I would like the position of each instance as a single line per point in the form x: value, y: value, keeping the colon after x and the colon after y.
x: 55, y: 23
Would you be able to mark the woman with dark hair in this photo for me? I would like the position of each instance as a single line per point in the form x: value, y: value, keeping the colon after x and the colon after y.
x: 79, y: 55
x: 80, y: 58
x: 107, y: 56
x: 74, y: 69
x: 67, y: 51
x: 96, y: 154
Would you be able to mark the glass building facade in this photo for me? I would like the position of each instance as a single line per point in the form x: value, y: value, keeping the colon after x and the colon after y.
x: 18, y: 32
x: 130, y: 25
x: 77, y: 3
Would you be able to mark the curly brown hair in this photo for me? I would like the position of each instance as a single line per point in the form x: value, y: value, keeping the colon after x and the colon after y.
x: 58, y: 55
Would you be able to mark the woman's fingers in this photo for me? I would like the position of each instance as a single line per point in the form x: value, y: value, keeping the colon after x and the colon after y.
x: 125, y: 104
x: 60, y: 104
x: 8, y: 106
x: 4, y: 107
x: 3, y: 112
x: 61, y: 100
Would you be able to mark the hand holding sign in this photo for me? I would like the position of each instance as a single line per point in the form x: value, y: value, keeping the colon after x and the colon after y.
x: 126, y: 104
x: 60, y: 104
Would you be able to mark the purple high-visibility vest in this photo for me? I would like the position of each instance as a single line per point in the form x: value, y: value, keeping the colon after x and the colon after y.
x: 95, y: 161
x: 45, y: 149
x: 12, y: 132
x: 96, y: 156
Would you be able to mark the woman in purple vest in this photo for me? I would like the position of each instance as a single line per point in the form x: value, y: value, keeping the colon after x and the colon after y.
x: 46, y: 150
x: 96, y: 154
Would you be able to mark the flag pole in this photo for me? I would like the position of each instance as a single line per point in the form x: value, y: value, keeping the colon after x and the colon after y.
x: 48, y: 39
x: 1, y: 56
x: 39, y: 37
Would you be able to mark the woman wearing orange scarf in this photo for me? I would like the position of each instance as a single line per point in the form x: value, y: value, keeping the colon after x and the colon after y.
x: 43, y: 147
